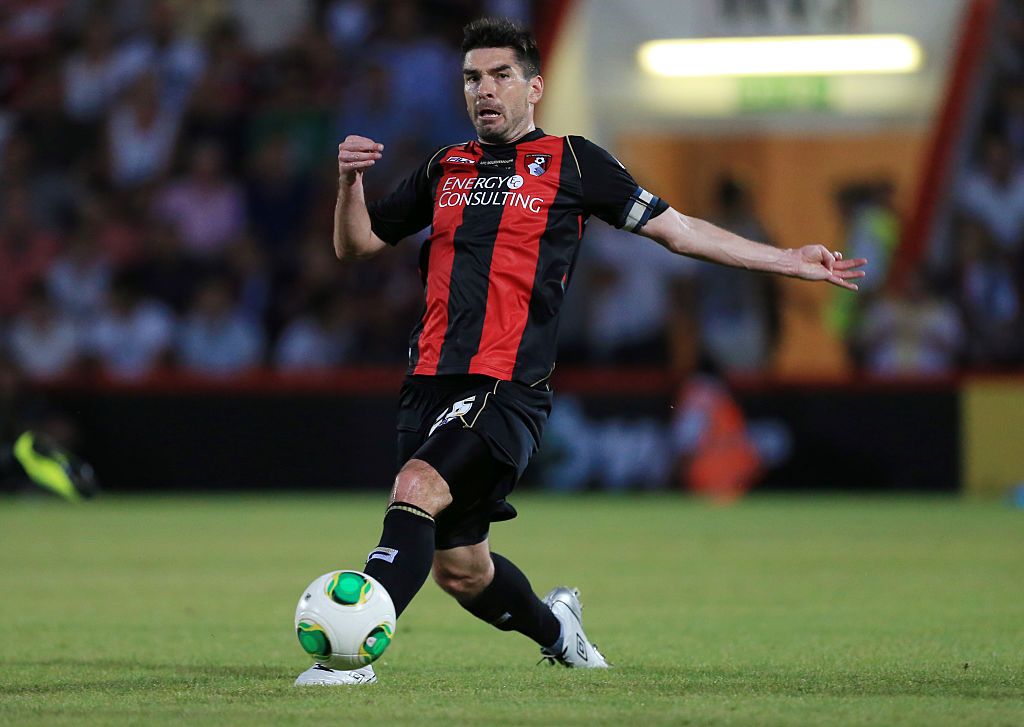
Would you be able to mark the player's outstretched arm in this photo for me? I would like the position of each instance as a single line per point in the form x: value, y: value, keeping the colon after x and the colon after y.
x: 353, y: 237
x: 700, y: 239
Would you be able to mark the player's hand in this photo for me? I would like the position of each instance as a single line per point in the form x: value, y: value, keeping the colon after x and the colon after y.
x: 817, y: 262
x: 355, y: 155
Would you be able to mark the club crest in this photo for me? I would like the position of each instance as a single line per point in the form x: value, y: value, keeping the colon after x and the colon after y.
x: 537, y: 164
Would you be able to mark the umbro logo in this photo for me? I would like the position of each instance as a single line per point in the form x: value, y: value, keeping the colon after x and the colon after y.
x: 581, y: 647
x: 460, y: 160
x: 457, y: 410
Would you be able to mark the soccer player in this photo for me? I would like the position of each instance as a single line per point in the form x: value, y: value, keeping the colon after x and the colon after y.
x: 506, y: 212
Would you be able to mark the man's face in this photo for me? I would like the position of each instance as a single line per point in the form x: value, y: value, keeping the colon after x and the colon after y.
x: 499, y: 98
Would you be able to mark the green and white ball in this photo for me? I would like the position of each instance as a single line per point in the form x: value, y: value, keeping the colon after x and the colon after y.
x: 345, y: 619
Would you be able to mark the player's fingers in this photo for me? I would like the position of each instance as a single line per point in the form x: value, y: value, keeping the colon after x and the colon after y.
x: 356, y: 156
x: 360, y: 143
x: 841, y: 283
x: 351, y: 166
x: 851, y: 263
x: 848, y: 274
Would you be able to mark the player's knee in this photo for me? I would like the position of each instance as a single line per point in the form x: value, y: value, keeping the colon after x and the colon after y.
x: 419, y: 484
x: 463, y: 582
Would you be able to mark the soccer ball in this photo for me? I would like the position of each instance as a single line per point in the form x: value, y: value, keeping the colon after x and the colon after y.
x: 345, y: 619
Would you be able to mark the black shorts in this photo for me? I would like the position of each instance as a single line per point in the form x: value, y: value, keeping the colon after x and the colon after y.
x: 479, y: 434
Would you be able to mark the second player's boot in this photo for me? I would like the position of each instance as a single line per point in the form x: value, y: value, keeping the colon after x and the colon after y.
x: 319, y: 675
x: 575, y: 650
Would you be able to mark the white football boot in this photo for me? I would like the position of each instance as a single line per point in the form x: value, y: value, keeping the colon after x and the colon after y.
x: 319, y: 675
x: 577, y: 651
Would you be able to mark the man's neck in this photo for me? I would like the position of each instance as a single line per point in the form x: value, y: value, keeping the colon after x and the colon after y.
x: 531, y: 127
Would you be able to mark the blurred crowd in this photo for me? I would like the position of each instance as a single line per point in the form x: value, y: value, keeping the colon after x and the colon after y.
x: 168, y: 173
x: 168, y: 177
x: 963, y: 308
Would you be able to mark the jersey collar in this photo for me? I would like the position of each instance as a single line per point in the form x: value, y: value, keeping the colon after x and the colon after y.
x: 531, y: 136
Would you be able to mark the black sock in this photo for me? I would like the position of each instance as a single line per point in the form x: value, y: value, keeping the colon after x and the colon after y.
x: 402, y: 559
x: 510, y: 604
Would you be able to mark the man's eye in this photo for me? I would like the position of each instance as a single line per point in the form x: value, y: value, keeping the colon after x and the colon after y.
x: 504, y: 76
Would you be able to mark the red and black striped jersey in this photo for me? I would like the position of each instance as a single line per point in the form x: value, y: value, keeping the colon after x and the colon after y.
x: 506, y: 222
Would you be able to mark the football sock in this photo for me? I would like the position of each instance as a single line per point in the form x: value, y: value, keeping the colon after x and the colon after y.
x: 402, y: 559
x: 510, y: 604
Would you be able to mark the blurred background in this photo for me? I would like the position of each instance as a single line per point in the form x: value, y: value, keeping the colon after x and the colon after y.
x: 171, y: 308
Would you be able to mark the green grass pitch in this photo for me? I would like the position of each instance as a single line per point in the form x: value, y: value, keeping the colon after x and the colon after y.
x: 776, y: 611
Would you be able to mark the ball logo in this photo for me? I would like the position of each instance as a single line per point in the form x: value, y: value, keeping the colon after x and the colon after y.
x: 515, y: 181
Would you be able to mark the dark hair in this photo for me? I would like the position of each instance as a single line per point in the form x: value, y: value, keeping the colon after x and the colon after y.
x: 503, y: 33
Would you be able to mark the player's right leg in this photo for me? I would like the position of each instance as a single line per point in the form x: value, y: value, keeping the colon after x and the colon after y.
x: 402, y: 559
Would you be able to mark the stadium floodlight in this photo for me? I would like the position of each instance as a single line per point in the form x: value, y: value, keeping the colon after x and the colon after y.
x: 802, y: 55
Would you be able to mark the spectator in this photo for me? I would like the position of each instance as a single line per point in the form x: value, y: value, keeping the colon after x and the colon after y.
x: 55, y: 146
x: 321, y: 338
x: 738, y: 312
x: 269, y: 26
x: 215, y: 338
x: 43, y: 341
x: 248, y: 265
x: 290, y: 110
x: 110, y: 222
x: 316, y: 271
x: 206, y: 207
x: 165, y: 271
x: 277, y: 198
x: 176, y: 62
x: 26, y: 251
x: 218, y: 108
x: 91, y: 78
x: 371, y: 108
x: 50, y: 195
x: 630, y: 285
x: 993, y: 194
x: 871, y: 231
x: 132, y: 336
x: 412, y: 59
x: 990, y: 300
x: 141, y: 134
x: 912, y: 332
x: 350, y: 23
x: 79, y: 278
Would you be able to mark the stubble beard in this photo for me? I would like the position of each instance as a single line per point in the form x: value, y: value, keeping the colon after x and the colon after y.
x: 502, y: 135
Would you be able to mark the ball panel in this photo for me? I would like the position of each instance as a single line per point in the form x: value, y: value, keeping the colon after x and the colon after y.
x: 313, y: 639
x: 349, y: 588
x: 376, y: 642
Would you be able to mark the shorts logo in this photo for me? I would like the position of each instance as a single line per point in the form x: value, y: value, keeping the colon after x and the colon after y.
x: 460, y: 160
x: 385, y: 554
x: 458, y: 409
x: 537, y: 164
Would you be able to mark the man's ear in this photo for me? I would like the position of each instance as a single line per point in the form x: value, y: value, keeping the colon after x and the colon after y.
x: 536, y: 89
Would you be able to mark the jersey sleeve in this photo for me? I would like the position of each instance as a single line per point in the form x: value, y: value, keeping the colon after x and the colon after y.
x: 407, y: 210
x: 610, y: 192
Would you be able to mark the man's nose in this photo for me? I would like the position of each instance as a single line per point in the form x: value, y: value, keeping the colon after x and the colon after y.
x: 487, y: 86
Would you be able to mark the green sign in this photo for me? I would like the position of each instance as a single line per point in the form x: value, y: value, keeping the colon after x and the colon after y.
x: 784, y: 93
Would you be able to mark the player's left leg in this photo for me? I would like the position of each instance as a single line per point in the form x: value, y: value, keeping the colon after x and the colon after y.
x: 494, y: 590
